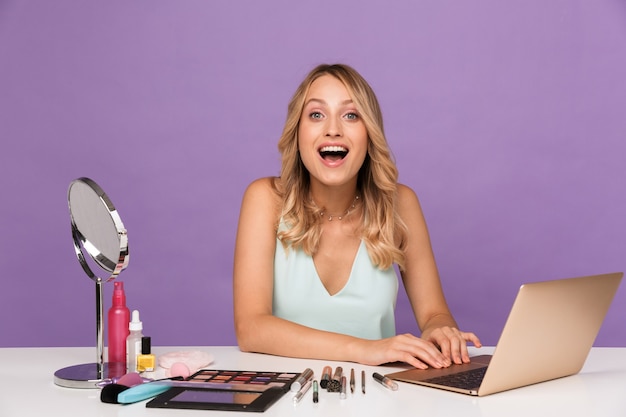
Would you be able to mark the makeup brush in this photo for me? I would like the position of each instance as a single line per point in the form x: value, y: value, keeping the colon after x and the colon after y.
x: 122, y: 394
x: 112, y: 387
x: 110, y: 392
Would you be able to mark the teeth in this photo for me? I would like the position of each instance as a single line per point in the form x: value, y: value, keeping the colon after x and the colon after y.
x: 333, y: 149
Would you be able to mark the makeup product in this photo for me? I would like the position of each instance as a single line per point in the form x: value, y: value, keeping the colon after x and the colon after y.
x: 226, y: 390
x: 363, y: 381
x: 302, y: 391
x: 240, y: 380
x: 316, y: 394
x: 146, y: 361
x: 194, y: 360
x: 344, y: 388
x: 301, y: 380
x: 133, y: 342
x: 112, y: 393
x: 179, y: 369
x: 132, y: 379
x: 334, y: 385
x: 143, y: 392
x: 386, y: 382
x: 109, y: 393
x: 325, y: 376
x: 129, y: 380
x: 118, y: 319
x: 352, y: 383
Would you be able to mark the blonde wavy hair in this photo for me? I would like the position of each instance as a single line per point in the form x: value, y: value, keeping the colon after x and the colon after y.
x: 382, y: 230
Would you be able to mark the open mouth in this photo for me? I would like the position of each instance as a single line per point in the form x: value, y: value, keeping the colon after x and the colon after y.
x: 333, y: 153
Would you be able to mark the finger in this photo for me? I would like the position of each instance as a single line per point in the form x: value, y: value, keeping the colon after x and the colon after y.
x: 458, y: 345
x: 412, y: 350
x: 468, y: 337
x: 449, y: 341
x: 463, y: 352
x: 415, y: 362
x: 457, y: 354
x: 446, y: 350
x: 433, y: 356
x: 471, y: 337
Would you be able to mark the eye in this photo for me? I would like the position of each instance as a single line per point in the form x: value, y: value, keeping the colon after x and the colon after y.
x: 315, y: 115
x: 352, y: 116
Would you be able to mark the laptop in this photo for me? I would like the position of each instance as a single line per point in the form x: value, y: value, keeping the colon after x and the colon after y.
x: 548, y: 334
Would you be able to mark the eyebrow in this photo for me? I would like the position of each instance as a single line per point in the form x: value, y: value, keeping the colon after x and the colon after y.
x: 319, y: 100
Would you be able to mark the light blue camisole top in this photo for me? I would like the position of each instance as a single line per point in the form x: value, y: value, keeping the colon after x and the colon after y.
x: 364, y: 307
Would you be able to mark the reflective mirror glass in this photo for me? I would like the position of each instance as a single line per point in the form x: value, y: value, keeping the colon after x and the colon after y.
x: 97, y: 228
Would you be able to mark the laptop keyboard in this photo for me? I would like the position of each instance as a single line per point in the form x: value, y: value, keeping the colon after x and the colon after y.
x: 469, y: 380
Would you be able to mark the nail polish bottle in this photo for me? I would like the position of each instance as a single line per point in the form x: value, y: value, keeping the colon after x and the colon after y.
x: 146, y: 361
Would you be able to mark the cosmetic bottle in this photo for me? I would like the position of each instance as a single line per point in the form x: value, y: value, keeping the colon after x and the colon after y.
x: 146, y: 361
x: 118, y: 319
x: 133, y: 342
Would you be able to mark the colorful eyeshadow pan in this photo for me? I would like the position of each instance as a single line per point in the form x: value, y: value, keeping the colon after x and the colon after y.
x: 274, y: 379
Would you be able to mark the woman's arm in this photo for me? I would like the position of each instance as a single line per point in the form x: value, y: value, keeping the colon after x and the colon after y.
x: 256, y: 328
x: 421, y: 281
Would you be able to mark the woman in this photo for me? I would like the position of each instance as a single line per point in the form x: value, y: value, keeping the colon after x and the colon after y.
x: 315, y: 249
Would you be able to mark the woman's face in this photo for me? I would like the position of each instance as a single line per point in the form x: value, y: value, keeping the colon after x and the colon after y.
x: 332, y: 138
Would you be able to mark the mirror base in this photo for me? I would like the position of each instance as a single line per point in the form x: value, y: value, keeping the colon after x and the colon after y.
x: 86, y: 375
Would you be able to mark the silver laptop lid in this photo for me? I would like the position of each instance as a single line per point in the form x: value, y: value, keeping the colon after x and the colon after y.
x: 548, y: 334
x: 550, y: 331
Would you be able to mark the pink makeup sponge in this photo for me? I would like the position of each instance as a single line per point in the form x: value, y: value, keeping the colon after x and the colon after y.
x: 179, y: 369
x: 193, y: 360
x: 130, y: 379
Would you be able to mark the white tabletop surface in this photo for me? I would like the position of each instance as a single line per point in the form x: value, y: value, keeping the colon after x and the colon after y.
x: 598, y: 390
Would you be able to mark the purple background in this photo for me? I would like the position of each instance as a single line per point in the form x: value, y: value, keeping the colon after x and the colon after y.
x: 506, y: 117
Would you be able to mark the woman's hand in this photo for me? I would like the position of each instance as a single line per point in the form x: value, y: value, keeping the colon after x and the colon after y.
x: 438, y: 348
x: 451, y: 342
x: 407, y: 348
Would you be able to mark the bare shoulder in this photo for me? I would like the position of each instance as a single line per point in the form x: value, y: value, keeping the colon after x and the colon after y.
x: 265, y: 185
x: 263, y: 195
x: 409, y: 208
x: 407, y: 199
x: 265, y: 189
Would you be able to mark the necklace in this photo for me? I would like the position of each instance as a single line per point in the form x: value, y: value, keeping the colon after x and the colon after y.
x: 344, y: 214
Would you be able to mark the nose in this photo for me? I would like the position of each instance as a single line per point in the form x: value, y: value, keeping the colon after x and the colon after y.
x: 333, y: 127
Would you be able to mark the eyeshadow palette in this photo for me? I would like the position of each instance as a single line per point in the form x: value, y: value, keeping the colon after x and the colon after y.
x: 210, y: 389
x: 243, y: 380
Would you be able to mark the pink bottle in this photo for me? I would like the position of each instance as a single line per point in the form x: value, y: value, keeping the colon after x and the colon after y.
x: 119, y: 317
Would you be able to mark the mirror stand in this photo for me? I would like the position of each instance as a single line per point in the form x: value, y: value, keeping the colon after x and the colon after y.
x: 88, y: 375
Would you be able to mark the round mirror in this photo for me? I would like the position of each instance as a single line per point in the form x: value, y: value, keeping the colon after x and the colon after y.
x: 100, y: 241
x: 97, y: 228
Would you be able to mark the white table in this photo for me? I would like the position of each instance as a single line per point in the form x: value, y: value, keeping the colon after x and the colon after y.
x: 27, y: 388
